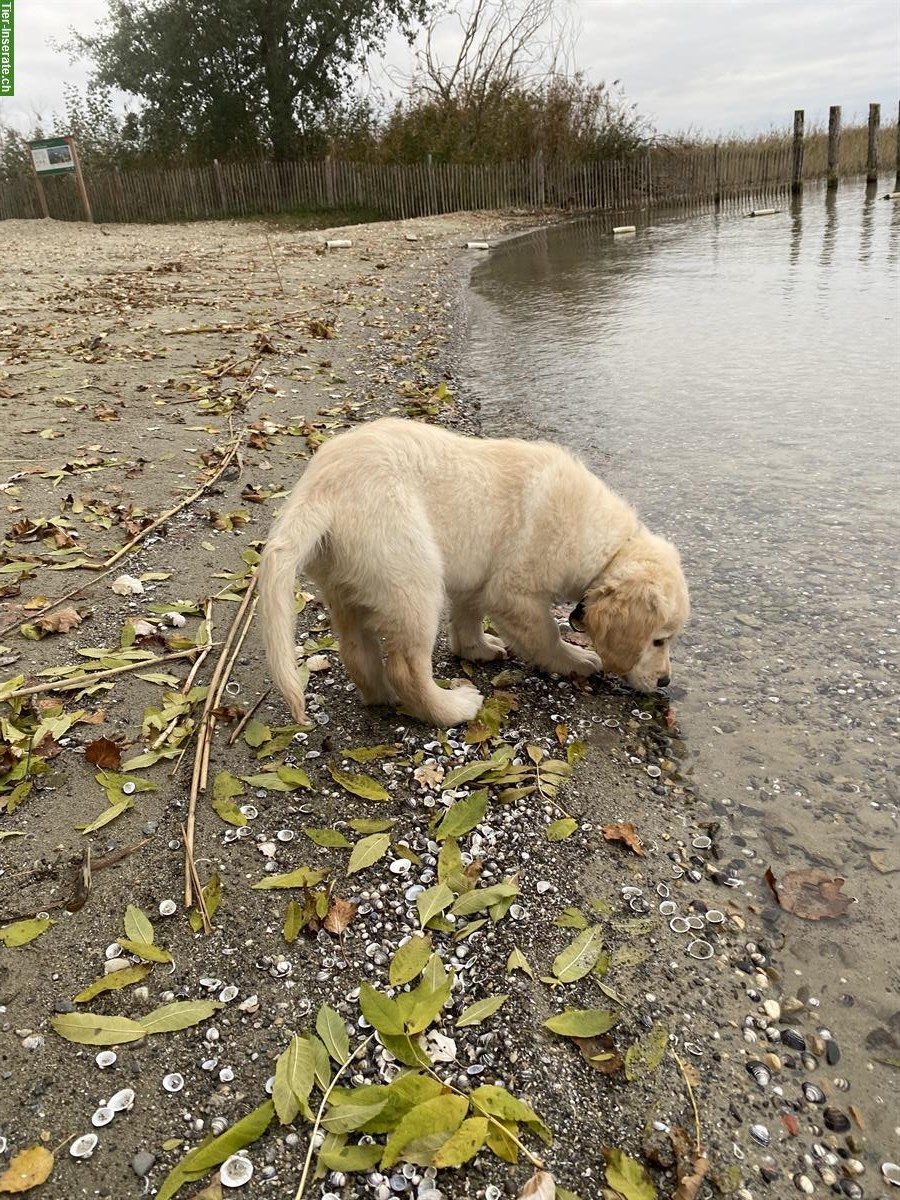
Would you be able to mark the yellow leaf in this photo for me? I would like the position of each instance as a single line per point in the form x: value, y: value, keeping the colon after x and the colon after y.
x: 29, y: 1168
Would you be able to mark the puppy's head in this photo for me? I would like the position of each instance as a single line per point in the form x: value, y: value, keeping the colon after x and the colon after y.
x: 636, y: 610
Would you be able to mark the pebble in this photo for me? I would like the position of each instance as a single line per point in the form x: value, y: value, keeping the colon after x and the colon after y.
x: 772, y: 1009
x: 142, y: 1163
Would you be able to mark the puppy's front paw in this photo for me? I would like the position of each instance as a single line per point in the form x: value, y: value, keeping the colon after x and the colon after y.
x: 584, y: 662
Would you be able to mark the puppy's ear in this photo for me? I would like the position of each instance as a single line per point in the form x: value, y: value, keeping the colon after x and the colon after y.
x: 620, y: 620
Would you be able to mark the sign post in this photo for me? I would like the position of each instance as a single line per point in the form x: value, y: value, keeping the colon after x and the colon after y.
x: 58, y: 156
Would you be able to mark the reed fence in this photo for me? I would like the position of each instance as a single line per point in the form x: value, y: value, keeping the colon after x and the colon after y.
x: 657, y: 177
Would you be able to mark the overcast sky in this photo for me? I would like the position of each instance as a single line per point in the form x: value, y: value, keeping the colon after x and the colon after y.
x: 711, y: 65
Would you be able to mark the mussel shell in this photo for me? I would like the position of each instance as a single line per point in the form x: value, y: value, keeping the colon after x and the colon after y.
x: 759, y: 1072
x: 832, y: 1052
x: 793, y: 1038
x: 812, y: 1093
x: 836, y: 1120
x: 760, y: 1134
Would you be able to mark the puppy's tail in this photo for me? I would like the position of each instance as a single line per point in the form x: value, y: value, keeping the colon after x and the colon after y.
x: 291, y: 544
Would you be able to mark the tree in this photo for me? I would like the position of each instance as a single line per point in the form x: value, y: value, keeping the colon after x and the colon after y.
x: 220, y: 78
x: 508, y: 90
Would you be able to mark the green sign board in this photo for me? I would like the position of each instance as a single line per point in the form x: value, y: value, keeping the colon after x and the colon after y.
x: 52, y: 156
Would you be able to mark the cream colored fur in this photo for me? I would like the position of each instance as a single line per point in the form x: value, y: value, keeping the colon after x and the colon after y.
x: 397, y: 521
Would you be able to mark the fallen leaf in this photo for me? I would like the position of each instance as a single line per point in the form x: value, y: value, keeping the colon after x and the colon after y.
x: 581, y: 1022
x: 811, y: 894
x: 623, y: 832
x: 29, y: 1168
x: 480, y: 1010
x: 600, y: 1053
x: 64, y: 620
x: 429, y: 775
x: 368, y: 850
x: 626, y: 1176
x: 127, y: 585
x: 541, y: 1186
x: 579, y: 957
x: 358, y: 784
x: 104, y: 753
x: 645, y: 1055
x: 20, y: 933
x: 339, y: 915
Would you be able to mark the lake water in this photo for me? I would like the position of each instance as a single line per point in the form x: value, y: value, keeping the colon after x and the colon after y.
x: 739, y: 381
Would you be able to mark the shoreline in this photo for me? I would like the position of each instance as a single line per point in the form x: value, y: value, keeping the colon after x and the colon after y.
x: 106, y: 365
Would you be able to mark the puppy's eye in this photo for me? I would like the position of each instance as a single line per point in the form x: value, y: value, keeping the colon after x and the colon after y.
x: 659, y: 641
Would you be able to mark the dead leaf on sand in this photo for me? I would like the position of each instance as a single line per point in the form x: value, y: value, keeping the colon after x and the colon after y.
x: 541, y: 1186
x: 811, y: 894
x: 104, y: 753
x: 624, y: 832
x: 339, y: 916
x: 62, y: 621
x: 600, y: 1053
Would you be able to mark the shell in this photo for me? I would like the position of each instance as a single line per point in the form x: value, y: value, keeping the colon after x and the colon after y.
x: 235, y: 1171
x: 84, y: 1146
x: 102, y: 1116
x: 793, y: 1038
x: 228, y: 994
x: 106, y: 1059
x: 760, y: 1134
x: 759, y: 1072
x: 167, y: 908
x: 836, y: 1120
x: 891, y: 1172
x: 173, y: 1082
x: 812, y: 1093
x: 122, y: 1100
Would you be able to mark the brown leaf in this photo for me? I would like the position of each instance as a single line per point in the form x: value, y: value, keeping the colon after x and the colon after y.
x: 810, y: 893
x: 104, y: 753
x: 600, y: 1053
x: 429, y: 775
x: 62, y: 621
x: 94, y: 718
x: 541, y: 1186
x: 623, y: 832
x: 340, y: 914
x: 29, y: 1168
x: 689, y: 1185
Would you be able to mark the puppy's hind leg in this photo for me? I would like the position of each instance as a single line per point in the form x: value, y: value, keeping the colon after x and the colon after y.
x: 410, y: 625
x: 360, y: 650
x: 466, y: 633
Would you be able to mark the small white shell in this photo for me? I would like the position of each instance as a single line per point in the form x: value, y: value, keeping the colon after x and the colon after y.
x: 250, y: 811
x: 122, y: 1100
x: 106, y: 1058
x: 400, y: 866
x: 128, y: 787
x: 285, y: 835
x: 102, y: 1116
x: 228, y: 994
x: 226, y: 1075
x: 235, y: 1171
x: 167, y: 908
x: 84, y: 1146
x: 113, y: 950
x: 173, y: 1082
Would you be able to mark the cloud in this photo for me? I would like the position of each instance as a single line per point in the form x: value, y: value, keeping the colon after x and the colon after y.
x: 712, y: 65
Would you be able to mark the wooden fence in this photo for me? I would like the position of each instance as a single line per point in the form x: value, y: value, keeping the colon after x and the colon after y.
x: 657, y: 177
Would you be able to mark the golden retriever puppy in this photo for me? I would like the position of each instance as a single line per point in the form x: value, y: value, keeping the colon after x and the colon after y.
x: 397, y: 521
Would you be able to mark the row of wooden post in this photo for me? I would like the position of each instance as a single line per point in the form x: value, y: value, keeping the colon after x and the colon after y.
x: 834, y: 147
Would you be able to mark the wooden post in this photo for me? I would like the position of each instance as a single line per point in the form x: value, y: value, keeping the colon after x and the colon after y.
x: 42, y: 195
x: 539, y: 177
x: 872, y: 157
x: 217, y: 167
x: 897, y: 180
x: 79, y: 182
x: 797, y: 166
x: 329, y: 181
x: 834, y: 145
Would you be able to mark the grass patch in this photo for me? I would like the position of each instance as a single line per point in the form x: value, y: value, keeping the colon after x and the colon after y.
x: 316, y: 218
